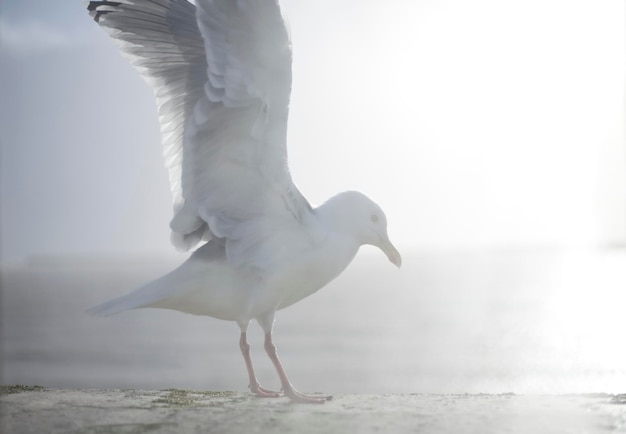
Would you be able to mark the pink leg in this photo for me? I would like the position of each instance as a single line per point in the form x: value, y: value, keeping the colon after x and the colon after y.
x: 255, y: 387
x: 287, y: 388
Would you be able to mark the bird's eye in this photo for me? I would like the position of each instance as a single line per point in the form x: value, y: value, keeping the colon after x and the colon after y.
x: 374, y: 218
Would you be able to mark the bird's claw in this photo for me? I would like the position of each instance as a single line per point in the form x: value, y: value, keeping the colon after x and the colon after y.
x: 262, y: 392
x: 290, y: 392
x: 296, y: 396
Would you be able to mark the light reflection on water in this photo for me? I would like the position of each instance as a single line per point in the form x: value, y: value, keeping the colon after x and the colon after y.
x: 468, y: 322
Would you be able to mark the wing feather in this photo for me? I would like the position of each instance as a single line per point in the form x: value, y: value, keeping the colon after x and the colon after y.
x: 162, y: 40
x: 221, y: 71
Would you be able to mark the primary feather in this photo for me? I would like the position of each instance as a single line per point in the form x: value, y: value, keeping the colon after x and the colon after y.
x: 221, y: 72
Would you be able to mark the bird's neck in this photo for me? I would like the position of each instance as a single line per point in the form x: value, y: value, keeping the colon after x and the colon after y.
x: 333, y: 219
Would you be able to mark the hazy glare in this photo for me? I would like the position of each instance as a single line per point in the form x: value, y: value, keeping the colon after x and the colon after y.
x: 474, y: 124
x: 471, y: 123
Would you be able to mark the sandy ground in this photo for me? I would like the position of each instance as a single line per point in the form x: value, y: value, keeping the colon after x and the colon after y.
x: 35, y: 410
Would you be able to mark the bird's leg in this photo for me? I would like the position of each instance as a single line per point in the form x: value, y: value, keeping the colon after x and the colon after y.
x: 255, y: 387
x: 287, y: 388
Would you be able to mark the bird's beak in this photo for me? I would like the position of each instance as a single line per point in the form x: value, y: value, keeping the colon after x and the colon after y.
x: 389, y: 250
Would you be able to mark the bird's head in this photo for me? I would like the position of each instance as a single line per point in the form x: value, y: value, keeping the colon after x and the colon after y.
x: 354, y: 213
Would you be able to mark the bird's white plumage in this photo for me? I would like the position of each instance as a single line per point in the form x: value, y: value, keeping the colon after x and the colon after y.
x: 221, y: 72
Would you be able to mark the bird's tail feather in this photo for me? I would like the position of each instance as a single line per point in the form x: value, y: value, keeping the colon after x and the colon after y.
x: 141, y: 297
x: 116, y: 305
x: 187, y: 277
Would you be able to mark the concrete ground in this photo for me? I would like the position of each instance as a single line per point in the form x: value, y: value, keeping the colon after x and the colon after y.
x: 39, y: 410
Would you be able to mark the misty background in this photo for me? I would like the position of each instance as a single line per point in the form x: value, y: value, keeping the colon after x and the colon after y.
x: 492, y: 133
x: 472, y: 123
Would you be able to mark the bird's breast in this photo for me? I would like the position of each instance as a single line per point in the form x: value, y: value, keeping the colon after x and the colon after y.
x: 308, y: 273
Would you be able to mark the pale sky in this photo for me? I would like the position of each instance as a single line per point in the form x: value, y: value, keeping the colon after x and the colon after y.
x: 482, y: 123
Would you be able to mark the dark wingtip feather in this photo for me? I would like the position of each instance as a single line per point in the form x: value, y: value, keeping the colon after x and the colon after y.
x: 93, y: 6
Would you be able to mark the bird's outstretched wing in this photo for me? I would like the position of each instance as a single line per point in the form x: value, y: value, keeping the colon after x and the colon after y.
x: 221, y: 72
x: 162, y: 41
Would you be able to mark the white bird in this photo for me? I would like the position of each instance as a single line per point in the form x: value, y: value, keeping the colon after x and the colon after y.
x: 221, y: 72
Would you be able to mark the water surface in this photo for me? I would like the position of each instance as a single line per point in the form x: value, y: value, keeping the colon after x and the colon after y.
x: 531, y: 321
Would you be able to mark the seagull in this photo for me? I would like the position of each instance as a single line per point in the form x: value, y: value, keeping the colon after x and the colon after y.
x: 221, y: 74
